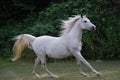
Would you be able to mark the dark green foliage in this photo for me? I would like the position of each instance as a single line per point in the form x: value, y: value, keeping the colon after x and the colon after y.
x: 11, y: 10
x: 100, y: 44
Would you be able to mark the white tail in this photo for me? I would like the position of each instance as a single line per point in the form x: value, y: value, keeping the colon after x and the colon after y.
x: 23, y: 40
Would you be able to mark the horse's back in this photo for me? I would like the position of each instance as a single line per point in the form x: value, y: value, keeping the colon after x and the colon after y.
x: 44, y: 40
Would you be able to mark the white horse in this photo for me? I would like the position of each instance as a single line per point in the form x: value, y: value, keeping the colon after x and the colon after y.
x: 68, y: 44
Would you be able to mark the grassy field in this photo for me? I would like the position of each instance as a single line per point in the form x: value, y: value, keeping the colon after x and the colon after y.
x: 66, y: 70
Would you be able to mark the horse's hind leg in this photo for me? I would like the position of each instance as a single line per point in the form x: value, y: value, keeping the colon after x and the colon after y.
x: 37, y: 61
x: 44, y: 66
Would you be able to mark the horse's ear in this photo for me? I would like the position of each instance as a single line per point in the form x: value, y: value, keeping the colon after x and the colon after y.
x: 81, y: 15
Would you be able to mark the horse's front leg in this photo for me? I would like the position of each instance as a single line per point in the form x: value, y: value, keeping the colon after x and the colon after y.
x: 79, y: 57
x: 80, y: 68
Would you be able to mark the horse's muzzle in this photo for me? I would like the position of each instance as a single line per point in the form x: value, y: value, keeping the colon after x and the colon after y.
x: 93, y: 28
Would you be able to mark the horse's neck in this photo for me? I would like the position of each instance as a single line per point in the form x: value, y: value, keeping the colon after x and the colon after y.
x: 75, y: 33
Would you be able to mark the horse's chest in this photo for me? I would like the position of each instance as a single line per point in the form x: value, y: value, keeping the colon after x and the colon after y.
x: 75, y: 46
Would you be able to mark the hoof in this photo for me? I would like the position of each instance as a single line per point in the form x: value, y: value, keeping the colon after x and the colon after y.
x: 54, y: 76
x: 98, y: 74
x: 36, y: 75
x: 84, y: 74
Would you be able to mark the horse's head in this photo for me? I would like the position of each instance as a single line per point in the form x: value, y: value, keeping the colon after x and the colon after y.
x: 85, y: 23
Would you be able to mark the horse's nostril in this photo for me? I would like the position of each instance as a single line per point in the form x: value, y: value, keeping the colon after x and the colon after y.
x: 93, y: 28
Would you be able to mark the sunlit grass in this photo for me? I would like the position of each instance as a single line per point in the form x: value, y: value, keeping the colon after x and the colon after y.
x: 66, y: 70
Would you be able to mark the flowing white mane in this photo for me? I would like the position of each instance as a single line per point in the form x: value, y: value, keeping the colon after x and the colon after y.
x: 68, y: 24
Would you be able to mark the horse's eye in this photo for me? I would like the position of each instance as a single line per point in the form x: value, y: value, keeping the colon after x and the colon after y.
x: 85, y: 21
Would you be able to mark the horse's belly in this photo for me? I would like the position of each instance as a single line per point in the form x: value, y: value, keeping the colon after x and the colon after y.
x: 59, y: 55
x: 58, y: 51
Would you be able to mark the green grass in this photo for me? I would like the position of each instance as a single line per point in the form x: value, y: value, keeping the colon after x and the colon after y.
x: 66, y: 70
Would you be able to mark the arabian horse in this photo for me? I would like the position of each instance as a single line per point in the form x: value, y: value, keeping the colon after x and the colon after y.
x: 67, y: 44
